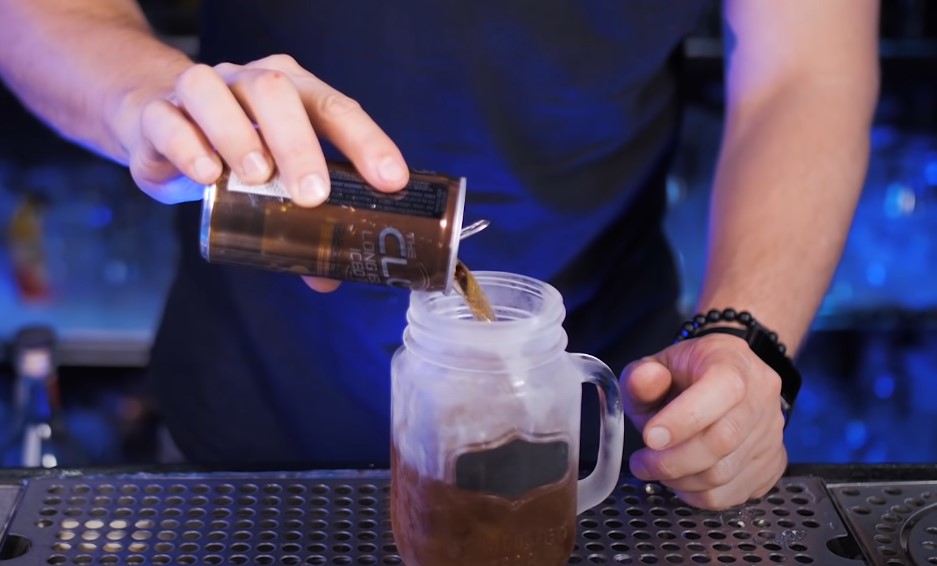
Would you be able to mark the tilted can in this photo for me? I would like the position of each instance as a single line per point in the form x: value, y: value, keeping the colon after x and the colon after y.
x: 406, y: 239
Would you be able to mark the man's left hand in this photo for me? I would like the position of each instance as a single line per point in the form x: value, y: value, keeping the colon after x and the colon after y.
x: 710, y: 415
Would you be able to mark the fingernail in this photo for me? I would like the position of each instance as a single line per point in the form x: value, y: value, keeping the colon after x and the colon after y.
x: 206, y: 169
x: 312, y: 190
x: 658, y: 437
x: 256, y: 167
x: 391, y: 171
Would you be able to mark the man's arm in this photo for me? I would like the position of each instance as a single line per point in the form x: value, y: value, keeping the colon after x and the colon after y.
x: 95, y: 72
x: 73, y: 64
x: 802, y: 82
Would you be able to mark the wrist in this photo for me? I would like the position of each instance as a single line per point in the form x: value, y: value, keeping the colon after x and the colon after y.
x: 762, y: 341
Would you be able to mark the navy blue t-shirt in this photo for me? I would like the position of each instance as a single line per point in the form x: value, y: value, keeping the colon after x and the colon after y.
x: 561, y: 114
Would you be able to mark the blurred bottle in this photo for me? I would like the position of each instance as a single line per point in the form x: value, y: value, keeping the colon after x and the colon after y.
x: 38, y: 435
x: 27, y: 250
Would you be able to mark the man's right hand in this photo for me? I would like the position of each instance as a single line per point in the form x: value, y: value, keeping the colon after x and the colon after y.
x: 94, y: 71
x: 263, y: 116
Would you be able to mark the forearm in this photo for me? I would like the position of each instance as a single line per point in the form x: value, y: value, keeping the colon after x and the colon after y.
x: 790, y: 173
x: 77, y: 65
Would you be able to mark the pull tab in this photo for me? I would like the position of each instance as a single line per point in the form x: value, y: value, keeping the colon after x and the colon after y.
x: 473, y: 228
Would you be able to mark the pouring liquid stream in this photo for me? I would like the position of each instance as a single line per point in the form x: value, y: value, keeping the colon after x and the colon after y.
x: 467, y: 286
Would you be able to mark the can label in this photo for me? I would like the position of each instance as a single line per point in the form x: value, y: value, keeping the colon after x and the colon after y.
x: 404, y: 239
x: 420, y: 198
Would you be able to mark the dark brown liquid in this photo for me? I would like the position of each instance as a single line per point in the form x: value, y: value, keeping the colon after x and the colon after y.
x: 437, y: 524
x: 468, y: 288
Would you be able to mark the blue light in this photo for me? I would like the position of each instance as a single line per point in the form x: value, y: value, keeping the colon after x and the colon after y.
x: 675, y: 190
x: 884, y: 386
x: 877, y: 453
x: 99, y: 216
x: 930, y: 171
x: 883, y: 136
x: 811, y: 435
x: 875, y: 274
x: 856, y: 434
x: 808, y: 402
x: 900, y: 200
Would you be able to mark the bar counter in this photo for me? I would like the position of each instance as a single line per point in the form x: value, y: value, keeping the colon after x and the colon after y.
x: 828, y: 515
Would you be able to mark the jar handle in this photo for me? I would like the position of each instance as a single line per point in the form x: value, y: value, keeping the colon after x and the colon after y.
x: 595, y: 487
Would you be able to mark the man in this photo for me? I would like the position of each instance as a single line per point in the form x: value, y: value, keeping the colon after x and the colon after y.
x: 562, y: 115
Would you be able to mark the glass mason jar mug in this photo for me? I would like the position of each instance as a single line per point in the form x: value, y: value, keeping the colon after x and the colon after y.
x: 485, y: 438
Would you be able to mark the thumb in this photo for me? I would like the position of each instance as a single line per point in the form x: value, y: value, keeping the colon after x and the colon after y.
x: 645, y: 385
x: 178, y: 188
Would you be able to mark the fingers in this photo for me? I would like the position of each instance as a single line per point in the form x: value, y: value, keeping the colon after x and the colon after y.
x: 753, y: 480
x: 173, y: 144
x: 716, y: 447
x: 648, y: 383
x: 718, y: 433
x: 343, y: 121
x: 645, y: 385
x: 716, y: 455
x: 270, y: 98
x: 211, y: 104
x: 719, y: 388
x: 257, y: 118
x: 701, y: 477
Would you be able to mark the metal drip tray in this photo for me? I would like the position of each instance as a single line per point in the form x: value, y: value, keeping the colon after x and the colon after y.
x: 895, y: 523
x: 342, y: 518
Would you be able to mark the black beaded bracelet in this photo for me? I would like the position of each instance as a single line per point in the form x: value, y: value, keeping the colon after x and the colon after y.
x: 763, y: 342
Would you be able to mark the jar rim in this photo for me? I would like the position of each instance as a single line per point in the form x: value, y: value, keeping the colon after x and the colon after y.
x: 536, y: 305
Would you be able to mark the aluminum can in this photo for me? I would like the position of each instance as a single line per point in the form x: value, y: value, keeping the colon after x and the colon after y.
x: 407, y: 239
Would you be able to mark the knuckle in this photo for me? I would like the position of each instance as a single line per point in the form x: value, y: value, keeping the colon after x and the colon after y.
x: 194, y: 77
x: 277, y: 61
x: 283, y: 61
x: 141, y: 166
x: 145, y: 168
x: 735, y: 386
x: 295, y: 154
x: 765, y: 489
x: 269, y: 81
x: 666, y: 469
x: 224, y: 68
x: 721, y: 473
x: 726, y: 436
x: 336, y: 105
x: 152, y: 113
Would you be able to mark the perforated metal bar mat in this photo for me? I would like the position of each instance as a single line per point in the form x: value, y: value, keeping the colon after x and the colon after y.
x: 343, y: 518
x: 895, y: 523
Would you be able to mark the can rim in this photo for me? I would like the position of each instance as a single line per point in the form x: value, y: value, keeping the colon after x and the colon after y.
x: 455, y: 235
x: 208, y: 202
